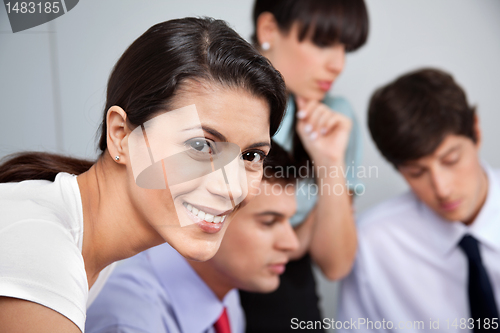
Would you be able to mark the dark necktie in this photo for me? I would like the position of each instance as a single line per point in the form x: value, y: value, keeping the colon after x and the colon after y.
x: 222, y: 324
x: 481, y: 297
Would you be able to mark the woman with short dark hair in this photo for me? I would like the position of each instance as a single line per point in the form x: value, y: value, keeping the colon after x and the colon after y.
x: 306, y: 40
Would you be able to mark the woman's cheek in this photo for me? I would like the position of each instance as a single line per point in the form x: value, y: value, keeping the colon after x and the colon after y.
x: 254, y: 180
x: 186, y: 187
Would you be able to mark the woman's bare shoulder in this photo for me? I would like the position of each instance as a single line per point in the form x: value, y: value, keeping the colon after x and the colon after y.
x: 17, y: 315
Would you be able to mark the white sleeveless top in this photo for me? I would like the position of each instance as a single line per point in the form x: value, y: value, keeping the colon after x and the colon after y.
x: 41, y: 234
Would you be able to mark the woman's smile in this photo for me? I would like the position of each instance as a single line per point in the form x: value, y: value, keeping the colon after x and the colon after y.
x: 209, y: 220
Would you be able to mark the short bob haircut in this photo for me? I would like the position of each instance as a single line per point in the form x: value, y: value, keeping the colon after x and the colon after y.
x: 410, y: 117
x: 324, y: 22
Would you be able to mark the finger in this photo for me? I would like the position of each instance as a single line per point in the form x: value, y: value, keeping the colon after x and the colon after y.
x: 330, y: 124
x: 315, y: 116
x: 310, y: 126
x: 345, y: 121
x: 323, y: 125
x: 303, y: 130
x: 304, y: 107
x: 301, y: 102
x: 336, y: 121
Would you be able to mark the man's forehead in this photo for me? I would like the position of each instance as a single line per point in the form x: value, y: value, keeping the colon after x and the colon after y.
x: 448, y: 145
x: 277, y: 197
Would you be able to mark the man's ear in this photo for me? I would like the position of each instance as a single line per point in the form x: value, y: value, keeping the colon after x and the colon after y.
x: 477, y: 131
x: 266, y: 28
x: 117, y: 132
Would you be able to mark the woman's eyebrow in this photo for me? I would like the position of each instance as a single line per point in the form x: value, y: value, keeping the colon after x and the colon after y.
x: 222, y: 138
x: 215, y: 133
x: 210, y: 130
x: 259, y: 144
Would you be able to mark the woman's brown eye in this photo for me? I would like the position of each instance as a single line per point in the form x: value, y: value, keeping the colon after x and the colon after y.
x: 254, y: 157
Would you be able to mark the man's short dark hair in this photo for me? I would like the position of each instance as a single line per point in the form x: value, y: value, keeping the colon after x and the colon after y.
x: 411, y: 116
x: 278, y: 166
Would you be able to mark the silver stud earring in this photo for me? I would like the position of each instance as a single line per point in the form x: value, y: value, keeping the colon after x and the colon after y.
x: 265, y: 46
x: 117, y: 158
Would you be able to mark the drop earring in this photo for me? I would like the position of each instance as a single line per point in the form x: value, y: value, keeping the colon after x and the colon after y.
x: 265, y: 46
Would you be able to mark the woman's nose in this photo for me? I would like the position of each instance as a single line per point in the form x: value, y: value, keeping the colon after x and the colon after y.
x: 336, y: 59
x: 229, y: 182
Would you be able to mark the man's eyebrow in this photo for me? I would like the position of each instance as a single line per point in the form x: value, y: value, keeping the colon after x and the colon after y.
x: 415, y: 163
x: 449, y: 151
x: 411, y: 164
x: 269, y: 212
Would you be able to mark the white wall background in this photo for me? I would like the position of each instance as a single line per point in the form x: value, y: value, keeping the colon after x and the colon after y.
x: 53, y: 77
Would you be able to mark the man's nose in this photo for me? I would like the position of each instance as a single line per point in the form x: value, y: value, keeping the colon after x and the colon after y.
x: 287, y: 240
x: 440, y: 184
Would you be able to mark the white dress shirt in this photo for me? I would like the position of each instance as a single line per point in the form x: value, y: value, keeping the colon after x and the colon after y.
x: 409, y: 268
x: 157, y: 291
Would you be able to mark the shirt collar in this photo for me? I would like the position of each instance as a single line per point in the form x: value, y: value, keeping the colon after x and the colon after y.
x: 485, y: 228
x: 195, y: 305
x: 284, y: 134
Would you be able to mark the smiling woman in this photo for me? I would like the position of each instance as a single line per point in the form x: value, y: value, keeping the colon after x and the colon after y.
x: 64, y: 221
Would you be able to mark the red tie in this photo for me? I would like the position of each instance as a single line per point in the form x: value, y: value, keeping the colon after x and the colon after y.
x: 222, y: 324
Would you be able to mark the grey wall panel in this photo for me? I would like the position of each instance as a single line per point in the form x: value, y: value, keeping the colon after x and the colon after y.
x: 27, y: 118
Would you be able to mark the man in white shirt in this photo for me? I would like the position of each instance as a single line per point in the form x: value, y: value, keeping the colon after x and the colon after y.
x: 428, y: 260
x: 159, y: 291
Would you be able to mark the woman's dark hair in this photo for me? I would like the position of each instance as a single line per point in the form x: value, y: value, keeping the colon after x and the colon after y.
x: 38, y: 165
x: 410, y: 117
x: 154, y: 67
x: 325, y: 22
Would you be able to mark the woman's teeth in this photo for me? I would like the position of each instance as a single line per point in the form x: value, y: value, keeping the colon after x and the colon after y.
x: 205, y: 216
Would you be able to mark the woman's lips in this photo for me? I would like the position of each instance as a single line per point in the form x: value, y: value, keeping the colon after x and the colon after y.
x: 325, y: 85
x: 450, y: 206
x: 214, y: 223
x: 277, y: 268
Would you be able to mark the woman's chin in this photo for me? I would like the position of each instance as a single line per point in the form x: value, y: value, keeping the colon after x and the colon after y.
x: 195, y: 240
x: 202, y: 251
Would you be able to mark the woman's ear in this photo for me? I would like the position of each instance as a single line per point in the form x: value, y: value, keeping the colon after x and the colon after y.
x: 117, y: 132
x: 266, y: 28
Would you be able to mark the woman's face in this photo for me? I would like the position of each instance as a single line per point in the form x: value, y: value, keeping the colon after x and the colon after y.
x: 309, y: 70
x: 202, y: 190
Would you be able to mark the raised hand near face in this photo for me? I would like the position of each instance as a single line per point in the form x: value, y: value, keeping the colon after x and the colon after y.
x: 323, y: 132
